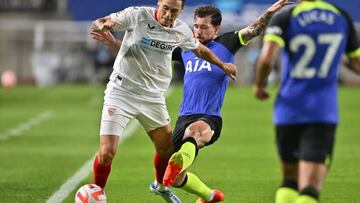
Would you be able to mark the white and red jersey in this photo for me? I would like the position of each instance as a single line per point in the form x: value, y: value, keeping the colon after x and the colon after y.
x: 144, y: 59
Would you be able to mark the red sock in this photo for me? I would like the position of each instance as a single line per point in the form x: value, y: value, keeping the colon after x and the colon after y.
x: 160, y: 167
x: 101, y: 172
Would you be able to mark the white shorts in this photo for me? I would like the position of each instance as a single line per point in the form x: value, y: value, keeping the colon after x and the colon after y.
x: 122, y: 105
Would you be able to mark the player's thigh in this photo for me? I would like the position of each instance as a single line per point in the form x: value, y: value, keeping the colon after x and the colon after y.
x: 210, y: 125
x: 287, y: 142
x: 153, y: 115
x: 317, y: 143
x: 215, y: 124
x: 206, y: 129
x: 200, y: 131
x: 154, y: 118
x: 118, y: 109
x: 178, y: 133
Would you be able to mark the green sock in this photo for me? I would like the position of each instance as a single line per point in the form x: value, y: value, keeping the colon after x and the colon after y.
x: 187, y: 152
x: 195, y: 186
x: 286, y: 195
x: 306, y: 199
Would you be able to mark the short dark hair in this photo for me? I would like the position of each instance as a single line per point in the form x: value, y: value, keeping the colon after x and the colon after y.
x: 182, y: 3
x: 213, y: 12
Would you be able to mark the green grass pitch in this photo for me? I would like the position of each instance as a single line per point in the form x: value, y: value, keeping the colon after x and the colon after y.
x: 243, y: 163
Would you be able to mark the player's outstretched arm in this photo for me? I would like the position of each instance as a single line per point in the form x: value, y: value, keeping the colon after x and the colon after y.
x: 259, y: 25
x: 107, y: 38
x: 205, y: 53
x: 103, y: 24
x: 264, y: 65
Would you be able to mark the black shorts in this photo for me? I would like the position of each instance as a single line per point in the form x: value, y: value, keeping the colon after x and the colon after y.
x: 183, y: 122
x: 309, y: 142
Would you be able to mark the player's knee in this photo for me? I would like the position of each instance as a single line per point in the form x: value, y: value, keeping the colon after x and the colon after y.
x: 200, y: 136
x: 192, y: 131
x: 106, y: 155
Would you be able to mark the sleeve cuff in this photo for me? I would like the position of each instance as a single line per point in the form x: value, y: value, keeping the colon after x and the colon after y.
x: 242, y: 41
x: 354, y: 54
x: 274, y: 38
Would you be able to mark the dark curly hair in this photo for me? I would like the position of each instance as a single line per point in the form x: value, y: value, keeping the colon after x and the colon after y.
x: 204, y: 11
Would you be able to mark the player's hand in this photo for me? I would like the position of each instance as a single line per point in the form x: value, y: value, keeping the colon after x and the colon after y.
x: 102, y: 25
x: 260, y: 93
x: 97, y: 24
x: 278, y: 5
x: 106, y: 38
x: 231, y: 70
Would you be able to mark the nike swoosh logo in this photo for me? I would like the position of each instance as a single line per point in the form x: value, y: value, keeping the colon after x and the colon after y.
x: 151, y: 27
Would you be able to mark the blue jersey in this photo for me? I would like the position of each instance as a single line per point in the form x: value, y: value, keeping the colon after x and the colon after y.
x: 205, y: 83
x: 315, y: 35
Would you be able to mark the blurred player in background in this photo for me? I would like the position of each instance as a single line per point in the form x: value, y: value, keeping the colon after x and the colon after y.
x: 199, y: 123
x: 314, y: 35
x: 142, y: 73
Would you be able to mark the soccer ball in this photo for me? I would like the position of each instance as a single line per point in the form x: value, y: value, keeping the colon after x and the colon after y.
x: 8, y: 79
x: 90, y: 193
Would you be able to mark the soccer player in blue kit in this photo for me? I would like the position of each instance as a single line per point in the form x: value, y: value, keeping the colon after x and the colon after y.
x: 141, y: 75
x: 314, y: 35
x: 199, y: 123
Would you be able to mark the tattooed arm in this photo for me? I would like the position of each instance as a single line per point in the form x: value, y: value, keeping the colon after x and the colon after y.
x: 261, y: 22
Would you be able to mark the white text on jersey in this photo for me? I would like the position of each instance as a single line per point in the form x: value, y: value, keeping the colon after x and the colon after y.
x: 190, y: 67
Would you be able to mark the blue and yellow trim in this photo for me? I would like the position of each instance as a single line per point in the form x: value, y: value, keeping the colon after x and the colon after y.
x: 354, y: 54
x: 310, y: 5
x: 242, y: 41
x: 274, y: 38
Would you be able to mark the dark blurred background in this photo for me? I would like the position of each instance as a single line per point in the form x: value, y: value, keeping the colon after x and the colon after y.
x: 46, y: 42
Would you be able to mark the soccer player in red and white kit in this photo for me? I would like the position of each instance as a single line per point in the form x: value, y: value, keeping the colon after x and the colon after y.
x: 199, y: 123
x: 142, y: 74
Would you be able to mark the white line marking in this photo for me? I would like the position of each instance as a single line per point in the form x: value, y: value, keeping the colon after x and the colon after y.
x: 85, y: 170
x: 64, y: 191
x: 32, y: 122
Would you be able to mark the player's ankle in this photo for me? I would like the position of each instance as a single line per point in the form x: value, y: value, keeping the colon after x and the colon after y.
x: 310, y: 191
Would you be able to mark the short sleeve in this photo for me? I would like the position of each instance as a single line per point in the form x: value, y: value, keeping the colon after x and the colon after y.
x: 231, y: 40
x: 190, y: 42
x: 353, y: 43
x: 125, y: 18
x: 276, y: 29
